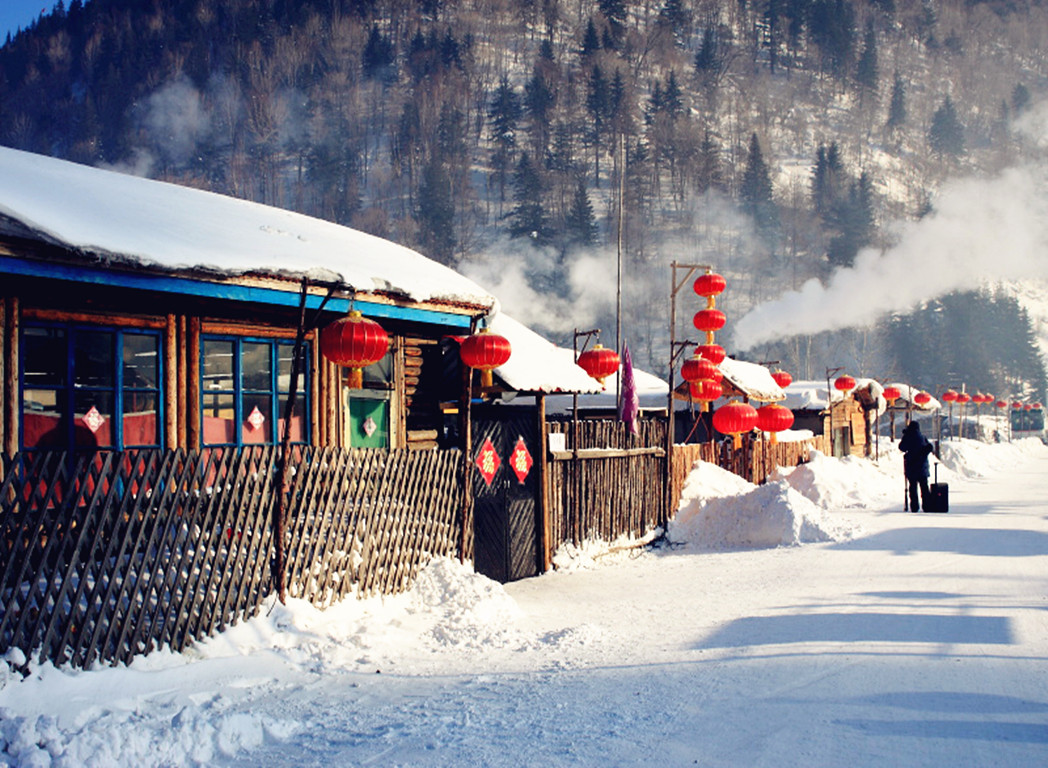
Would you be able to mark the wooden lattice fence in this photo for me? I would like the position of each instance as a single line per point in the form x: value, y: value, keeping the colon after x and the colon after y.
x: 112, y: 554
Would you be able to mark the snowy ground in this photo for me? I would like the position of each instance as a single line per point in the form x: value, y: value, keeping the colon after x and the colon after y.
x: 809, y: 623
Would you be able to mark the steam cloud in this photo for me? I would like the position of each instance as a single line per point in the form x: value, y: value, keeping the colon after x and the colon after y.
x: 980, y: 229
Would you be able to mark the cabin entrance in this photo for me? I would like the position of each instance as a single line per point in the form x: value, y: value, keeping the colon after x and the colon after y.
x: 506, y: 463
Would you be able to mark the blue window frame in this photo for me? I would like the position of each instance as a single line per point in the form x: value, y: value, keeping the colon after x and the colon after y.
x: 244, y: 385
x: 87, y: 387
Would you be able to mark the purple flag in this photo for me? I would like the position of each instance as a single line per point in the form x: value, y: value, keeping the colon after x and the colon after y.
x: 629, y: 402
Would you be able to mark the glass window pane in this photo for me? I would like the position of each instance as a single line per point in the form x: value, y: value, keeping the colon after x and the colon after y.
x: 141, y: 360
x: 141, y: 421
x: 380, y: 374
x: 285, y: 353
x: 93, y: 358
x: 257, y: 425
x: 256, y: 368
x: 93, y: 419
x: 44, y: 353
x: 44, y: 419
x: 218, y: 365
x: 219, y: 419
x: 298, y: 421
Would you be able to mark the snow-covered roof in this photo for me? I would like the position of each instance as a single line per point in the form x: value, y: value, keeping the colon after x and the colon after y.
x: 753, y: 380
x: 114, y: 216
x: 538, y: 365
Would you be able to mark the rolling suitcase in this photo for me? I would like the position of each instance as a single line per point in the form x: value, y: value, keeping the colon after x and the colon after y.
x: 938, y: 495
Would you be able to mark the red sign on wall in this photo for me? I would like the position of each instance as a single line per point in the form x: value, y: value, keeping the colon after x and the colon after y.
x: 520, y: 460
x: 488, y: 461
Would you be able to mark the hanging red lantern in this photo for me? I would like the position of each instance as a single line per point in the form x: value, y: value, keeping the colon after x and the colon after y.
x: 1037, y: 406
x: 844, y: 383
x: 949, y: 396
x: 709, y: 320
x: 733, y: 419
x: 1002, y: 404
x: 782, y: 378
x: 712, y: 352
x: 705, y: 391
x: 891, y: 394
x: 963, y: 397
x: 710, y: 284
x: 354, y: 342
x: 697, y: 368
x: 774, y: 418
x: 922, y: 398
x: 486, y: 351
x: 1016, y: 405
x: 599, y: 362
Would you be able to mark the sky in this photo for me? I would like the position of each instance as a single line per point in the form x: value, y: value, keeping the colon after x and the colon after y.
x: 19, y: 14
x: 807, y: 622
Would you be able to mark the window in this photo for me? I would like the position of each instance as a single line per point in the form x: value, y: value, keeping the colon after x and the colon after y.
x: 368, y: 408
x: 245, y: 383
x: 86, y: 387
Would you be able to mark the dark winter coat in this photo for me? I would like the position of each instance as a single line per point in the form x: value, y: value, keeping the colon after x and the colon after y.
x: 916, y: 449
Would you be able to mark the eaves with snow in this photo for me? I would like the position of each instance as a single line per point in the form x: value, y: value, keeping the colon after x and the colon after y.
x: 537, y: 365
x: 113, y: 219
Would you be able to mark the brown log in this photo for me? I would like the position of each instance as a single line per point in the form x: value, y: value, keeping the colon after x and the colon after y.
x: 171, y: 384
x: 192, y: 392
x: 10, y: 382
x: 95, y: 318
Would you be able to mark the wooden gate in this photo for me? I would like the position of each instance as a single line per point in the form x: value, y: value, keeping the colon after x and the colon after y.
x: 505, y: 492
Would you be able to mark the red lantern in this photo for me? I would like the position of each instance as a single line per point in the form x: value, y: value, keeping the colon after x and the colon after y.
x: 710, y: 284
x: 697, y: 368
x: 712, y: 352
x: 949, y: 396
x: 1016, y: 405
x: 709, y: 320
x: 922, y: 398
x: 354, y: 342
x: 891, y: 394
x: 1002, y: 404
x: 1037, y: 406
x: 599, y: 362
x: 774, y: 418
x: 486, y: 351
x: 734, y: 419
x: 963, y: 397
x: 844, y: 383
x: 782, y: 378
x: 706, y: 391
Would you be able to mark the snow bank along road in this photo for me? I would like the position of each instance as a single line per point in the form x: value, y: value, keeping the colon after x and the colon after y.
x: 922, y: 641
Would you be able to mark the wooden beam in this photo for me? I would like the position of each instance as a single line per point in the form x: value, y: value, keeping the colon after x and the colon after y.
x: 171, y: 383
x: 10, y: 384
x: 99, y: 318
x: 546, y: 523
x: 607, y: 453
x: 316, y: 365
x: 183, y: 379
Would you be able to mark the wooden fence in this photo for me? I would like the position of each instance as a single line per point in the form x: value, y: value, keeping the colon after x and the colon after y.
x: 755, y: 461
x: 612, y: 486
x: 113, y: 554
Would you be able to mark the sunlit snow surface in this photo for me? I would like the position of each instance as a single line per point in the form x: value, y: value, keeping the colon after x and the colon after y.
x: 806, y: 622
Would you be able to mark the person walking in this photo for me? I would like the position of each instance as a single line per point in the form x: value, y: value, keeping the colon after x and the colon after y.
x: 916, y: 448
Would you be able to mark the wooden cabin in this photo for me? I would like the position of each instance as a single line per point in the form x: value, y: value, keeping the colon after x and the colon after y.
x: 141, y: 314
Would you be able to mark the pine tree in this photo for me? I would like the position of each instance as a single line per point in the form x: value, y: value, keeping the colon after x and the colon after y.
x: 946, y: 135
x: 503, y: 115
x: 853, y: 219
x: 897, y: 108
x: 590, y: 40
x: 756, y: 191
x: 379, y: 56
x: 1020, y: 98
x: 866, y: 72
x: 528, y: 217
x: 580, y: 225
x: 436, y: 213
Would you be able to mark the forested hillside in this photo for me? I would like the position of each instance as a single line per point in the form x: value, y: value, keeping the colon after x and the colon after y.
x: 771, y: 138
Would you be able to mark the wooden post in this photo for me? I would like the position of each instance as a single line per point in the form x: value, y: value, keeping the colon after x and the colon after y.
x: 10, y: 383
x: 170, y: 384
x: 183, y: 376
x: 545, y: 534
x: 467, y: 458
x: 314, y: 392
x: 193, y: 437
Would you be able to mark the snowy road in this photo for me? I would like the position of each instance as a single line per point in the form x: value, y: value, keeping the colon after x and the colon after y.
x: 921, y: 642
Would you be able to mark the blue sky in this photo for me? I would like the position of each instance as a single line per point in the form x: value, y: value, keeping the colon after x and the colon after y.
x: 15, y: 14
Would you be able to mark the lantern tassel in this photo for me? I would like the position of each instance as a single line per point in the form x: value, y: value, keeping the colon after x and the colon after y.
x: 355, y: 380
x: 486, y: 379
x: 736, y: 442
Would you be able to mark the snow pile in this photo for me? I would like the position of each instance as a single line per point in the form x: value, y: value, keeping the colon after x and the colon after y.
x: 593, y: 552
x: 722, y: 511
x: 850, y: 482
x: 971, y: 458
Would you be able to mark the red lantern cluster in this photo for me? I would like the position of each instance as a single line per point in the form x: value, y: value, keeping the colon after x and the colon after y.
x: 486, y: 351
x: 354, y: 342
x: 734, y: 419
x: 599, y: 362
